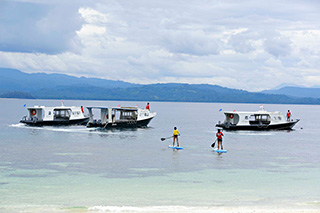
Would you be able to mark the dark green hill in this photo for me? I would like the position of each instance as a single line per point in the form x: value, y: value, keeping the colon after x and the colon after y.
x: 21, y: 95
x: 16, y: 84
x: 169, y: 92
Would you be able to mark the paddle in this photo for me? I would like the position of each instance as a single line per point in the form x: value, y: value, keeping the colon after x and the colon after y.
x: 214, y: 143
x: 166, y: 138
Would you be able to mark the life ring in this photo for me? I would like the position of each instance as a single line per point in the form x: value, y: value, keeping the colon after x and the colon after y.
x: 33, y: 112
x: 231, y: 116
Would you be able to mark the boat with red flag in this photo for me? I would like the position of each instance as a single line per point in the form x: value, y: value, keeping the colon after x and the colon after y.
x: 259, y: 120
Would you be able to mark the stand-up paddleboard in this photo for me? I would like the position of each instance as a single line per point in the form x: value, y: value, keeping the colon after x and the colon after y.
x: 175, y: 147
x: 220, y: 151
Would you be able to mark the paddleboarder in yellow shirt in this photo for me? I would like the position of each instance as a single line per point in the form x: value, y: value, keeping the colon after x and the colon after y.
x: 176, y: 133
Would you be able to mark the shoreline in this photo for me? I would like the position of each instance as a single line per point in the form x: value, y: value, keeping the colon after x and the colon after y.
x: 224, y: 209
x: 161, y: 101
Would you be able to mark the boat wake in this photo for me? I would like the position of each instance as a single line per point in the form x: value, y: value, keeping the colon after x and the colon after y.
x: 75, y: 129
x: 18, y: 125
x: 254, y: 133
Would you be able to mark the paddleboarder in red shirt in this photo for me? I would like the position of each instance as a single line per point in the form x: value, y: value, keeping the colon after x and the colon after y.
x: 219, y: 138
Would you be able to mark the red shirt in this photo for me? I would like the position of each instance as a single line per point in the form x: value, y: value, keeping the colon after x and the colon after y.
x: 148, y: 107
x: 219, y: 135
x: 288, y: 114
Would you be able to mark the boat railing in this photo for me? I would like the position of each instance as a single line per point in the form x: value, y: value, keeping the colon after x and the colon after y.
x: 26, y: 118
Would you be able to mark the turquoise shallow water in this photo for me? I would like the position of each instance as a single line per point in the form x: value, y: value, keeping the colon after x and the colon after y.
x: 79, y: 169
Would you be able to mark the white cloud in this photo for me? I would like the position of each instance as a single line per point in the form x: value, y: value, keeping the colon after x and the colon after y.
x: 251, y: 45
x: 92, y: 16
x: 191, y: 42
x: 88, y: 30
x: 33, y: 26
x: 278, y: 46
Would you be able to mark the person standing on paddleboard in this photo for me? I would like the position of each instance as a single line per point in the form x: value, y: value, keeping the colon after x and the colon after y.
x: 176, y: 133
x: 219, y: 139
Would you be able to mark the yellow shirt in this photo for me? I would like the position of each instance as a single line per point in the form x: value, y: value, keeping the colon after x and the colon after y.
x: 176, y: 132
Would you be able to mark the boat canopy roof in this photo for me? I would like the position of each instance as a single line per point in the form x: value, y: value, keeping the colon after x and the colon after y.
x: 53, y: 108
x: 116, y: 108
x: 251, y: 113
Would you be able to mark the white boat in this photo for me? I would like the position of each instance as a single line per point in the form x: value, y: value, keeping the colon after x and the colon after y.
x: 120, y: 117
x: 50, y: 116
x: 259, y: 120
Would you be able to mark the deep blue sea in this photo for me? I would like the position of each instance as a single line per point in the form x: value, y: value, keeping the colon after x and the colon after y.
x: 62, y: 169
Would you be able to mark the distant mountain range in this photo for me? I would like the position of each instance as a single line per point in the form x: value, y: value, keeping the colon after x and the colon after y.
x: 12, y: 79
x: 301, y: 92
x: 17, y: 84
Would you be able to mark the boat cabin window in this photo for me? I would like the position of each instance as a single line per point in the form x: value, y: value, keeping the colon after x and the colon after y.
x: 259, y: 118
x: 279, y: 118
x: 246, y: 117
x: 49, y: 113
x: 128, y: 115
x: 61, y: 113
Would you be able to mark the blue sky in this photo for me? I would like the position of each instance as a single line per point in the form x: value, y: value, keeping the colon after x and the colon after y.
x: 248, y: 44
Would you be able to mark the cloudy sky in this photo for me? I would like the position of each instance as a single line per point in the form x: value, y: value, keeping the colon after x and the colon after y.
x: 247, y: 44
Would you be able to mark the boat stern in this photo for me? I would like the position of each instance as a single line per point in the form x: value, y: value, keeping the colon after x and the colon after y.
x: 231, y: 119
x: 34, y: 116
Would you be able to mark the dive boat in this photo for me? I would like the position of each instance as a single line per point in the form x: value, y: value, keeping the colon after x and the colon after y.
x: 120, y: 117
x: 259, y: 120
x: 51, y: 116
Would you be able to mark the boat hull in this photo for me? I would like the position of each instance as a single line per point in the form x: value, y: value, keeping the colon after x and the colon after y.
x: 282, y: 126
x: 82, y: 121
x: 123, y: 124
